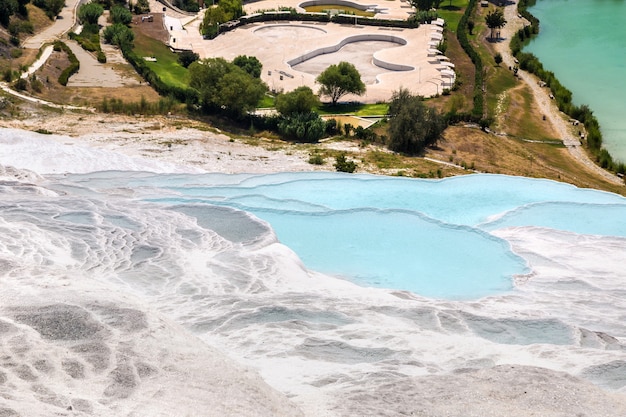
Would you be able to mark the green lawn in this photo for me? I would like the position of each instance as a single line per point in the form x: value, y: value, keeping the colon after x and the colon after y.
x: 356, y: 109
x: 266, y: 102
x: 166, y: 66
x: 451, y: 11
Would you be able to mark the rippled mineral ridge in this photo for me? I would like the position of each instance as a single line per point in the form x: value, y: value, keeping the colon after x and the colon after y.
x: 112, y: 304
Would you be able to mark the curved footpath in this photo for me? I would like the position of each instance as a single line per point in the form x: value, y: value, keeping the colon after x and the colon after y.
x: 542, y: 96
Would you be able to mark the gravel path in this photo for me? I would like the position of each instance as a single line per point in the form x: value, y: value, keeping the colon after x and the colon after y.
x: 548, y: 107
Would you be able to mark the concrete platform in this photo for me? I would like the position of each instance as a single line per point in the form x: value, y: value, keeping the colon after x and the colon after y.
x: 387, y: 58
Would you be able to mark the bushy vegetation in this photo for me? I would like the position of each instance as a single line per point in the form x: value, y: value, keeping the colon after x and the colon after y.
x: 141, y: 7
x: 187, y: 58
x: 303, y: 127
x: 89, y: 37
x: 222, y: 85
x: 225, y: 11
x: 51, y: 7
x: 187, y: 5
x: 17, y: 27
x: 412, y: 125
x: 343, y: 165
x: 249, y: 64
x: 89, y: 13
x: 74, y: 64
x: 300, y: 100
x: 120, y: 35
x: 118, y: 106
x: 120, y: 14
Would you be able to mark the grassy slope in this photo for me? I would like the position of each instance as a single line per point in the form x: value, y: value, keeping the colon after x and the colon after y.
x: 166, y: 66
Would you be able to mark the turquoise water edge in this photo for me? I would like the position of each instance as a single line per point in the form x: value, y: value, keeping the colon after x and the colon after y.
x: 584, y: 44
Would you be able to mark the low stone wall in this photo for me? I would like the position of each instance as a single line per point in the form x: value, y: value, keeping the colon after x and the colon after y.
x: 357, y: 38
x: 344, y: 3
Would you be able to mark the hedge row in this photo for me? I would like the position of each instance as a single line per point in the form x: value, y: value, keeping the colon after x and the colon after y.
x: 292, y: 15
x: 74, y: 64
x: 461, y: 34
x: 562, y: 95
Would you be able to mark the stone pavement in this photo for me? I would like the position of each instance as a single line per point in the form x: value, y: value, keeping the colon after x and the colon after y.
x: 280, y: 45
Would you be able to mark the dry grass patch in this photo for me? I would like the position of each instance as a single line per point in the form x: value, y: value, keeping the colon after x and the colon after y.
x: 483, y: 152
x: 521, y: 117
x: 85, y: 96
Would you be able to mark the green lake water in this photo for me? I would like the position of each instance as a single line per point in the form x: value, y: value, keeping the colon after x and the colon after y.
x: 584, y: 43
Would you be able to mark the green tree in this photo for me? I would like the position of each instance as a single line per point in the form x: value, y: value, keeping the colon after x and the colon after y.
x: 120, y: 14
x: 224, y: 11
x: 223, y: 85
x: 141, y: 7
x: 233, y: 9
x: 187, y: 58
x: 21, y: 8
x: 495, y: 20
x: 120, y: 35
x: 339, y: 80
x: 204, y: 76
x: 412, y: 125
x: 51, y: 7
x: 187, y: 5
x: 249, y: 64
x: 498, y: 58
x: 7, y: 9
x: 470, y: 26
x: 213, y: 17
x: 90, y: 13
x: 425, y: 5
x: 240, y: 93
x: 300, y: 100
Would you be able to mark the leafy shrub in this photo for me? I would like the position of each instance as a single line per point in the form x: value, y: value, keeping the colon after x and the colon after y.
x: 21, y: 84
x: 89, y: 13
x: 316, y: 159
x: 343, y: 165
x: 306, y: 127
x: 7, y: 75
x: 122, y: 15
x: 187, y: 58
x: 120, y: 35
x: 332, y: 127
x: 141, y: 7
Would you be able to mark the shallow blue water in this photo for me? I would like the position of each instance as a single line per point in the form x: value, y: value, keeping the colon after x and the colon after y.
x: 584, y: 44
x: 426, y: 236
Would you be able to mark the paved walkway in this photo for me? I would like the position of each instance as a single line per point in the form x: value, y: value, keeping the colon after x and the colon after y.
x: 93, y: 73
x: 62, y: 25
